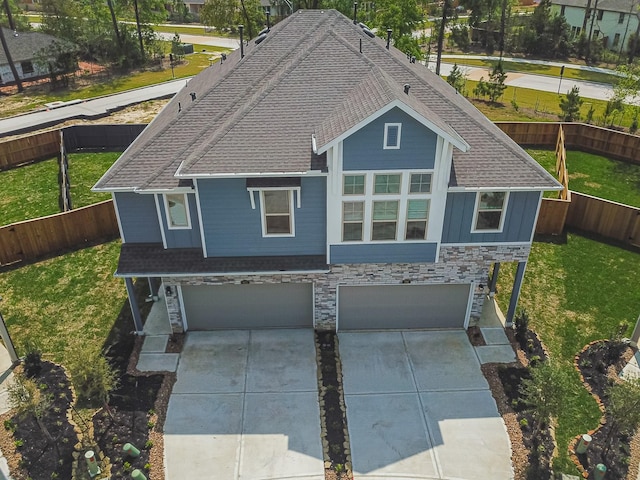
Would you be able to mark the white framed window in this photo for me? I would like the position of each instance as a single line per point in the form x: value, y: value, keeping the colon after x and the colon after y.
x: 417, y: 219
x: 420, y: 183
x: 385, y: 220
x: 489, y: 211
x: 176, y: 207
x: 392, y: 133
x: 387, y: 184
x: 352, y: 221
x: 353, y: 185
x: 277, y: 212
x: 621, y: 18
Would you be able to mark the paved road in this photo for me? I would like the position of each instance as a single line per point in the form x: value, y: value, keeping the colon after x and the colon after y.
x: 92, y: 108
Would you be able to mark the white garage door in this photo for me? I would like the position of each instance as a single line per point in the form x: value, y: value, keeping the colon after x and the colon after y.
x: 402, y: 306
x: 212, y: 307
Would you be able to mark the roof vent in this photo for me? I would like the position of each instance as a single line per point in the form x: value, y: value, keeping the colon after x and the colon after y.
x: 406, y: 88
x: 261, y: 38
x: 179, y: 107
x: 193, y: 96
x: 355, y: 12
x: 263, y: 31
x: 369, y: 32
x: 389, y: 32
x: 223, y: 57
x: 241, y: 28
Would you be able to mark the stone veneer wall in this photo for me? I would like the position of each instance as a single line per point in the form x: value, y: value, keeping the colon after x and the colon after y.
x: 456, y: 264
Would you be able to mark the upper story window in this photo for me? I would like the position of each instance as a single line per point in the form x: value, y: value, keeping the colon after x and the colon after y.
x: 277, y: 212
x: 417, y: 219
x: 386, y: 184
x: 420, y: 183
x: 353, y: 185
x: 621, y: 18
x: 392, y: 132
x: 600, y: 14
x: 176, y: 208
x: 490, y: 209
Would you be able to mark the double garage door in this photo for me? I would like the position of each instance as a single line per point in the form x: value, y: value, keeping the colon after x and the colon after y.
x: 281, y: 305
x: 290, y: 305
x: 380, y: 307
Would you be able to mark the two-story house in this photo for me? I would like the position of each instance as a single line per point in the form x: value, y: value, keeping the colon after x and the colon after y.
x: 613, y: 21
x: 317, y: 177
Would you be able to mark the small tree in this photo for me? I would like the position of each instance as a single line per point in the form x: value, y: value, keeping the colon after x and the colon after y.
x: 545, y: 392
x: 28, y: 399
x: 623, y: 408
x: 570, y: 105
x: 92, y: 376
x: 496, y: 86
x: 177, y: 48
x: 456, y: 78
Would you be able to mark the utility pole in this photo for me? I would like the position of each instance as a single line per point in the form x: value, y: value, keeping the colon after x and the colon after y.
x: 445, y: 9
x: 593, y: 18
x: 12, y: 24
x: 135, y: 6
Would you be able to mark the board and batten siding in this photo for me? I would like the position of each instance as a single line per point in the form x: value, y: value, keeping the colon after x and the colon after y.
x: 183, y: 237
x: 232, y: 228
x: 518, y: 223
x: 138, y: 217
x: 384, y: 253
x: 363, y: 150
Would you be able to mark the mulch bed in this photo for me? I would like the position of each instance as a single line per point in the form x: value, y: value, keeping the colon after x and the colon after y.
x: 332, y: 410
x: 600, y: 364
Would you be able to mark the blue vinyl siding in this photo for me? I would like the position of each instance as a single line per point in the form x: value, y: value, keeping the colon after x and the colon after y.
x: 232, y: 228
x: 182, y: 238
x: 138, y: 217
x: 364, y: 149
x: 384, y: 253
x: 518, y: 223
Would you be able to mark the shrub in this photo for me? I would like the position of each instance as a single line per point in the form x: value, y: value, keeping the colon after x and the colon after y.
x: 32, y: 360
x: 92, y: 376
x: 522, y: 326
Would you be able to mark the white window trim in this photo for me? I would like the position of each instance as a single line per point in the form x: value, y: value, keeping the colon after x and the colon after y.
x: 167, y: 215
x: 386, y: 131
x: 407, y: 219
x: 400, y: 203
x: 416, y: 194
x: 263, y: 218
x: 403, y: 197
x: 349, y: 174
x: 348, y: 199
x: 502, y: 217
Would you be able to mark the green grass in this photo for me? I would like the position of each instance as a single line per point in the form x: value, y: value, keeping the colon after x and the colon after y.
x: 193, y: 30
x: 29, y: 192
x: 575, y: 293
x: 536, y: 69
x: 546, y: 158
x: 85, y: 169
x: 64, y: 302
x: 596, y: 175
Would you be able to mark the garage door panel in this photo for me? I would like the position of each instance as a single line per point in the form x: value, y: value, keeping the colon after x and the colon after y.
x: 402, y: 306
x: 211, y: 307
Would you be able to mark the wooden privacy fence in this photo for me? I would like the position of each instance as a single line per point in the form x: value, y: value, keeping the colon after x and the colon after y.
x: 32, y: 239
x: 561, y: 164
x: 608, y: 219
x: 29, y: 149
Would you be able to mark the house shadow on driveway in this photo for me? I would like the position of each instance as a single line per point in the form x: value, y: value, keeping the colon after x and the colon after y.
x: 418, y: 406
x: 245, y: 406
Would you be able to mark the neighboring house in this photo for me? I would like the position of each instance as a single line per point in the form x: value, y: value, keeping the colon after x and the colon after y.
x: 194, y: 6
x: 325, y: 181
x: 24, y: 48
x: 614, y: 21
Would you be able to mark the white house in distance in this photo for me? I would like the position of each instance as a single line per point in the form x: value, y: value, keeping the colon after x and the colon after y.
x: 614, y: 22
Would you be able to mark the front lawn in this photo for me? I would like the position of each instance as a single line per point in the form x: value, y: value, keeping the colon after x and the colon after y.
x: 64, y: 302
x: 575, y: 293
x: 85, y: 169
x: 596, y: 175
x: 29, y: 192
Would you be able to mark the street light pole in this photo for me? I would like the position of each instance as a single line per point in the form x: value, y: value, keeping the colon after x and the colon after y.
x: 561, y: 74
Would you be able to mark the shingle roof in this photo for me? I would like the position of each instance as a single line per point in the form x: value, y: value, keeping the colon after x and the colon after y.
x: 26, y: 45
x: 256, y: 115
x: 625, y: 6
x: 153, y: 259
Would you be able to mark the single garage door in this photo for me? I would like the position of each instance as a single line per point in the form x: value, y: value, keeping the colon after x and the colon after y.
x: 211, y: 307
x: 402, y: 306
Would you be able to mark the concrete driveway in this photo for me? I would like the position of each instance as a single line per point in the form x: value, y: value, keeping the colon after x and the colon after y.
x: 245, y: 406
x: 418, y: 406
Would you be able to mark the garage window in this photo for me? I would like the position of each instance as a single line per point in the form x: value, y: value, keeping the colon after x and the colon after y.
x: 277, y: 213
x: 490, y: 208
x: 176, y: 208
